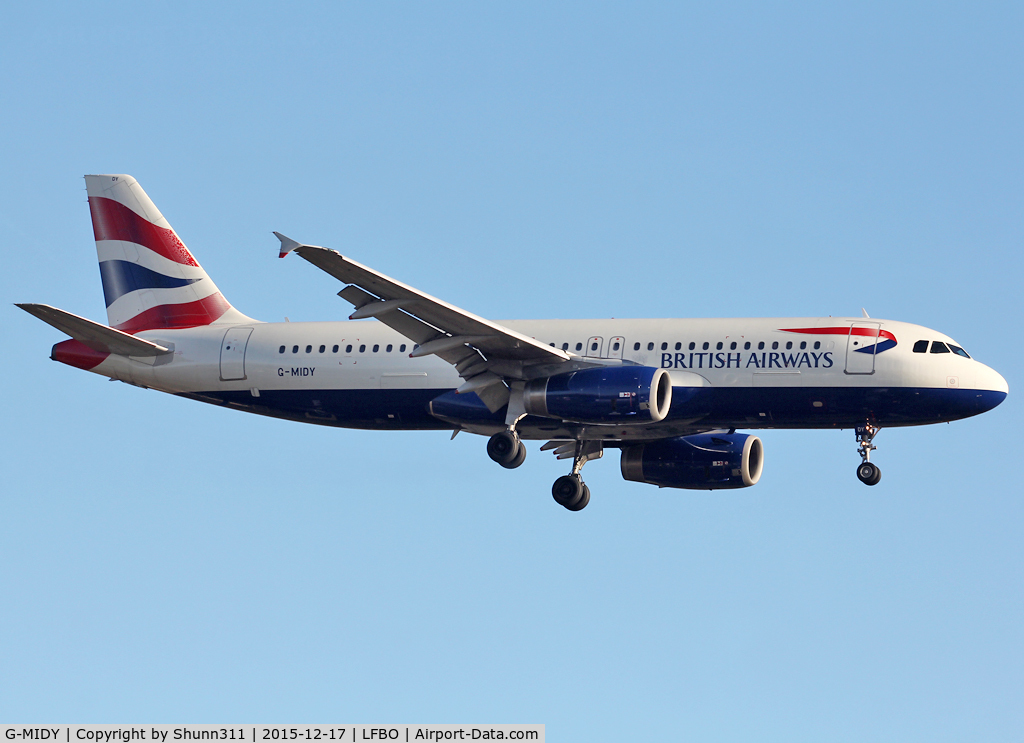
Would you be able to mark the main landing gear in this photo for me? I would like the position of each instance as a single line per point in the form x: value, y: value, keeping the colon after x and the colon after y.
x: 506, y: 449
x: 867, y: 473
x: 569, y: 490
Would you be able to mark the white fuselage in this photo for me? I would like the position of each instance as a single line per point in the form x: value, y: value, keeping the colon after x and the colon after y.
x: 749, y: 373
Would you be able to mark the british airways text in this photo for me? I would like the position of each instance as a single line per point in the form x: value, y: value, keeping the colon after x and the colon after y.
x: 763, y: 360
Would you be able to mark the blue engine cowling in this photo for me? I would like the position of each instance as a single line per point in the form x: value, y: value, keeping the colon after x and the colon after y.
x: 611, y: 394
x: 706, y: 461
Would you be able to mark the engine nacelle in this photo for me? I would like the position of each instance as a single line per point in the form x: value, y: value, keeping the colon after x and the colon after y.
x: 610, y: 394
x: 706, y: 461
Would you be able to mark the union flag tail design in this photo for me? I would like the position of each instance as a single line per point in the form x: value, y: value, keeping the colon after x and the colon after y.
x: 150, y: 279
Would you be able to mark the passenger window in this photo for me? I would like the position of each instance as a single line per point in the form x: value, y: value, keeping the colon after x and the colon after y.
x: 348, y: 348
x: 760, y: 346
x: 334, y: 350
x: 817, y: 345
x: 616, y: 347
x: 775, y: 345
x: 593, y: 346
x: 678, y: 345
x: 636, y: 346
x: 789, y: 345
x: 719, y: 345
x: 376, y: 347
x: 921, y: 347
x: 295, y: 349
x: 959, y: 351
x: 692, y: 345
x: 939, y: 347
x: 309, y: 349
x: 402, y: 348
x: 803, y: 345
x: 650, y: 346
x: 281, y: 350
x: 362, y: 348
x: 746, y: 346
x: 565, y: 346
x: 732, y: 346
x: 388, y: 349
x: 579, y: 346
x: 706, y: 346
x: 323, y: 348
x: 664, y: 346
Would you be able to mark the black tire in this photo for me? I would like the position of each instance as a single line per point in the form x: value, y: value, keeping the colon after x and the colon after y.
x: 567, y: 490
x: 519, y: 458
x: 868, y: 473
x: 582, y: 502
x: 503, y: 448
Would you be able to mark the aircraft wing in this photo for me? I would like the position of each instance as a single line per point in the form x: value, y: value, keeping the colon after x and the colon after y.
x: 97, y: 337
x: 484, y: 353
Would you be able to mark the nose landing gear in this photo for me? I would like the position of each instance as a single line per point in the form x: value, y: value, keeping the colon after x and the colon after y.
x: 867, y: 472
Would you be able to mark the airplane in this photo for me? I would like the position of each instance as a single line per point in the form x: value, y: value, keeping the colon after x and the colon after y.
x: 670, y: 394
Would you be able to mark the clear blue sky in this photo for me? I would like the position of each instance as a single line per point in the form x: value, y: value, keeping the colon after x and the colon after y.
x: 165, y: 561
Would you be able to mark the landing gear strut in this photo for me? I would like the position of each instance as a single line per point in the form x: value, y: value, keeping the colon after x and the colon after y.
x: 867, y: 472
x: 569, y: 490
x: 506, y: 449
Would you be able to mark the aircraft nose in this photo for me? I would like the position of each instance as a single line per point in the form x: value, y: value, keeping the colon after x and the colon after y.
x: 1001, y: 385
x: 992, y: 388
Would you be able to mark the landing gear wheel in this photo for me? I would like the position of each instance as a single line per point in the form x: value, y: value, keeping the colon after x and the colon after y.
x: 519, y: 458
x: 568, y: 490
x: 582, y: 502
x: 869, y: 474
x: 506, y: 449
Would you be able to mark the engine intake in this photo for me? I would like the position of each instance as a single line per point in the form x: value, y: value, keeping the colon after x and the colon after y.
x: 616, y: 394
x: 707, y: 461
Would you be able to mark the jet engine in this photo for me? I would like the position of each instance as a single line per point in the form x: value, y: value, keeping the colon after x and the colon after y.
x: 616, y: 394
x: 706, y: 461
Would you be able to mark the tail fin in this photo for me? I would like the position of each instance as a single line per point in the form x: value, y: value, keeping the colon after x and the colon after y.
x: 150, y: 279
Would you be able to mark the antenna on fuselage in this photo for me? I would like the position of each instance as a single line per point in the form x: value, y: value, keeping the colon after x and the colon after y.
x: 865, y: 313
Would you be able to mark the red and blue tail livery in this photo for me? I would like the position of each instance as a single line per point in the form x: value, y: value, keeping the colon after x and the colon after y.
x: 674, y: 395
x: 150, y: 279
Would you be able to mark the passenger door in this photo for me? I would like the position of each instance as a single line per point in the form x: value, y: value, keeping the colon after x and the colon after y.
x: 232, y: 353
x: 860, y: 347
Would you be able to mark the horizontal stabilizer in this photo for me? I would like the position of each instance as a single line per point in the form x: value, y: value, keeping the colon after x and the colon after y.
x: 92, y: 334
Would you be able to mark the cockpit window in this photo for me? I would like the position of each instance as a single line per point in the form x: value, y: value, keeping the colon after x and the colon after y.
x: 958, y: 351
x: 938, y: 347
x: 921, y: 347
